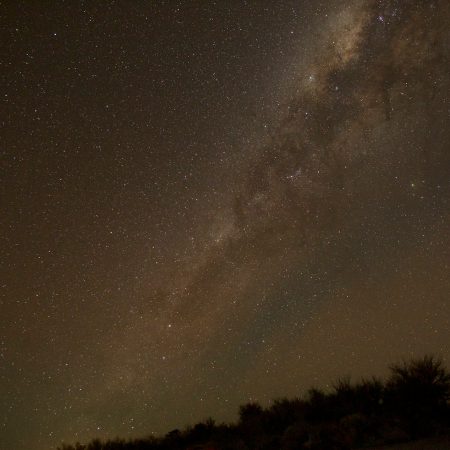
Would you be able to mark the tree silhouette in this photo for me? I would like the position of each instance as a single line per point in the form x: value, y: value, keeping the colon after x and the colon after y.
x: 413, y: 402
x: 418, y: 392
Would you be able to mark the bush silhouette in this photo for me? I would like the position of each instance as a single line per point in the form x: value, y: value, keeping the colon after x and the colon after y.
x: 413, y: 402
x: 417, y: 392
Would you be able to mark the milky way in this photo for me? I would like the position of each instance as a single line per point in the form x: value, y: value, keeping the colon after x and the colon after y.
x: 207, y: 205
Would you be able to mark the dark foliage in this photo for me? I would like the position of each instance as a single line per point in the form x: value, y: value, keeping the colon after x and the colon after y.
x: 417, y: 393
x: 412, y: 403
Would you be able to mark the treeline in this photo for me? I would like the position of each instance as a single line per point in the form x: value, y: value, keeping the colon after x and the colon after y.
x: 412, y: 403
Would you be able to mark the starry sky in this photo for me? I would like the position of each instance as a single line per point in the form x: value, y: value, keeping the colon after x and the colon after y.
x: 205, y: 203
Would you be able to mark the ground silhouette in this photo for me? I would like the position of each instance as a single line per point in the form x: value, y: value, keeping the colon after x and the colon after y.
x: 411, y: 404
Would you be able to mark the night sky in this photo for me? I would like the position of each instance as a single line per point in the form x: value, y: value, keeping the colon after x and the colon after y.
x: 205, y: 203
